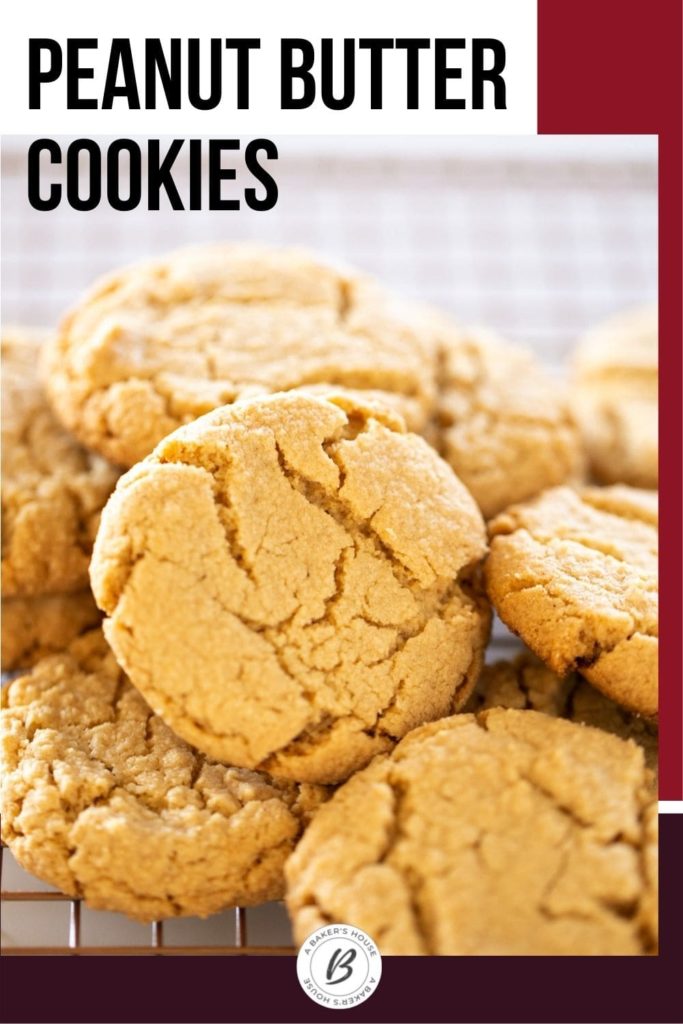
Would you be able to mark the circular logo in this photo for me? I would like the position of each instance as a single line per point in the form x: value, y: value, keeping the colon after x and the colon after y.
x: 339, y: 966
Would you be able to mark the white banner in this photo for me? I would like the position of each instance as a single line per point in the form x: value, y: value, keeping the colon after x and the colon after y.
x: 431, y: 67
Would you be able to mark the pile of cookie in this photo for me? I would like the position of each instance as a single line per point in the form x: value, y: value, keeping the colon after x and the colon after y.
x: 296, y: 501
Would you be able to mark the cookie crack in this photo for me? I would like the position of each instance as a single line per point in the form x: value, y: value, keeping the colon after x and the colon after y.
x: 377, y: 728
x: 345, y: 302
x: 412, y: 881
x: 311, y: 734
x: 576, y: 662
x: 336, y: 508
x: 346, y: 555
x: 230, y: 529
x: 588, y: 661
x: 626, y: 908
x: 263, y: 631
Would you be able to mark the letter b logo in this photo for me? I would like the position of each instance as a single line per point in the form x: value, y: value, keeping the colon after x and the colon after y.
x: 339, y: 966
x: 340, y: 962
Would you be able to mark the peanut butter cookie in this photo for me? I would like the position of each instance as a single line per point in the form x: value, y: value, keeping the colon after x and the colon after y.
x: 154, y: 346
x: 616, y: 370
x: 33, y: 627
x: 506, y: 833
x: 292, y: 583
x: 100, y: 799
x: 574, y: 574
x: 52, y: 489
x: 502, y: 423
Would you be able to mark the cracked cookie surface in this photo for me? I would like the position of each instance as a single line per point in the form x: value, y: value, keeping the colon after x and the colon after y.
x: 102, y: 800
x: 506, y: 833
x: 154, y: 346
x: 502, y: 423
x: 574, y: 574
x: 52, y: 488
x: 526, y: 683
x: 616, y: 397
x: 292, y: 583
x: 33, y: 627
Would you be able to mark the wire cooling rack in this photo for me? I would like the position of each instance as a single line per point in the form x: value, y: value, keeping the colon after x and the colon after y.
x: 64, y: 926
x: 533, y: 245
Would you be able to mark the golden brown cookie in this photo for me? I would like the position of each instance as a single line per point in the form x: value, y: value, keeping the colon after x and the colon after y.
x: 290, y: 582
x: 102, y: 800
x: 33, y: 627
x: 507, y: 833
x: 153, y: 346
x: 502, y: 423
x: 52, y: 489
x: 574, y: 574
x: 616, y: 384
x: 526, y: 683
x: 156, y: 345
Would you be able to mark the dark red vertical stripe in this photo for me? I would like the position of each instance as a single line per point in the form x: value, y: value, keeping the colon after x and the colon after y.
x: 607, y: 67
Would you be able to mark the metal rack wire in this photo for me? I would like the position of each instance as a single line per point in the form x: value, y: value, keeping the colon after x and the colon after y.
x: 156, y: 946
x: 537, y: 248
